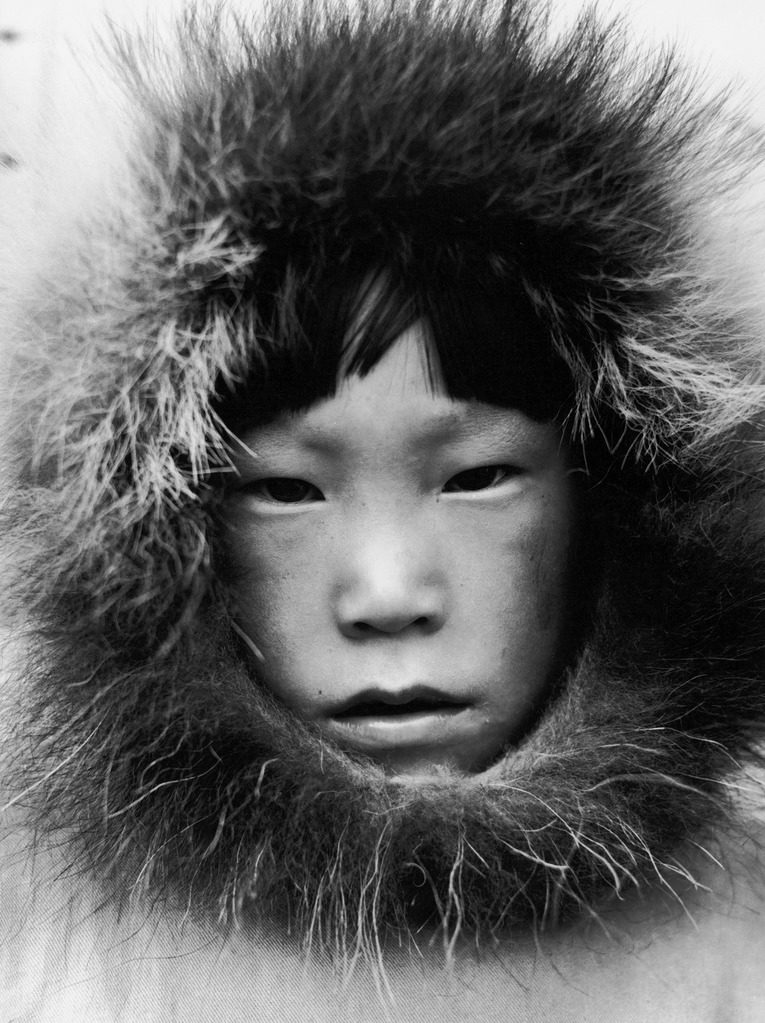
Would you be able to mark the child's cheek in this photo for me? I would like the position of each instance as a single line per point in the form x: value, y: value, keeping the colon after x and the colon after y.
x: 548, y: 546
x: 518, y: 560
x: 518, y: 568
x: 278, y: 571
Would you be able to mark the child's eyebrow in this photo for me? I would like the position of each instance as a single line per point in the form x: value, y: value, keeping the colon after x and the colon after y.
x: 461, y: 421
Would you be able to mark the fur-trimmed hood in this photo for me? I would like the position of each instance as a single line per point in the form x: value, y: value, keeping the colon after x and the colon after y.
x: 441, y: 140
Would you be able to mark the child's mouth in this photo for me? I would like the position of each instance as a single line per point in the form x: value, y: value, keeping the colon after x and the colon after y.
x: 381, y: 709
x: 380, y: 721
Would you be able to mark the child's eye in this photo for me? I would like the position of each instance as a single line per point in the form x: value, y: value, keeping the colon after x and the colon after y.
x: 284, y: 490
x: 483, y: 477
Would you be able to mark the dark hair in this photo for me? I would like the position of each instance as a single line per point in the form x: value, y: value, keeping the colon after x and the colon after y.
x: 316, y: 324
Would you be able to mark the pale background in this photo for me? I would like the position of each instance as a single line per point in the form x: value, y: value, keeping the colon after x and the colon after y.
x: 39, y: 72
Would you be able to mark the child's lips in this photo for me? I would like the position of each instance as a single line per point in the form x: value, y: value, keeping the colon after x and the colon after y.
x: 384, y: 720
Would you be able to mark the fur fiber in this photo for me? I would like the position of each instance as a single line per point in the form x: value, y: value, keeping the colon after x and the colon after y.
x: 145, y: 751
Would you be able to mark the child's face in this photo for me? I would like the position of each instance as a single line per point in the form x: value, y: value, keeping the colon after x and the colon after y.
x: 400, y: 562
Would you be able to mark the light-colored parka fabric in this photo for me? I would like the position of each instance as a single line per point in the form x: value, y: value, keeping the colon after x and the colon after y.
x: 694, y: 963
x: 199, y: 852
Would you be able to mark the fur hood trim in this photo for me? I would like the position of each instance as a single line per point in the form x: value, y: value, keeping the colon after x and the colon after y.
x: 586, y: 178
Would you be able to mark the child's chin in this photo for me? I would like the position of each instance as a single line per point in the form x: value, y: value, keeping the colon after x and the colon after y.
x: 428, y: 766
x: 435, y: 769
x: 426, y: 774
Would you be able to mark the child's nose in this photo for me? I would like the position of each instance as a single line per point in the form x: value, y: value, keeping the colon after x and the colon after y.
x: 382, y: 619
x: 389, y: 587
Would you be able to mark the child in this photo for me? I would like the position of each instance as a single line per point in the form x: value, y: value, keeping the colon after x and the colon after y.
x: 386, y: 533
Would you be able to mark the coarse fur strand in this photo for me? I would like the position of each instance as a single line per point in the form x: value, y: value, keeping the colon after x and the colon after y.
x: 420, y: 139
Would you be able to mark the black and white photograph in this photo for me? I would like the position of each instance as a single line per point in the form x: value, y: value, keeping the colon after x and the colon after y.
x: 382, y: 522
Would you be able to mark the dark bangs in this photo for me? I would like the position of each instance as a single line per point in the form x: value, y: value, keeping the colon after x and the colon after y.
x: 484, y: 342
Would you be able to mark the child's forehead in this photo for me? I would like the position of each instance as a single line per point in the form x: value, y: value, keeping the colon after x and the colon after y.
x: 479, y: 340
x: 402, y: 402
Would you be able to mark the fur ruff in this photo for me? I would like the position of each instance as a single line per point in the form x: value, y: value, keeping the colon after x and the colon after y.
x: 146, y: 748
